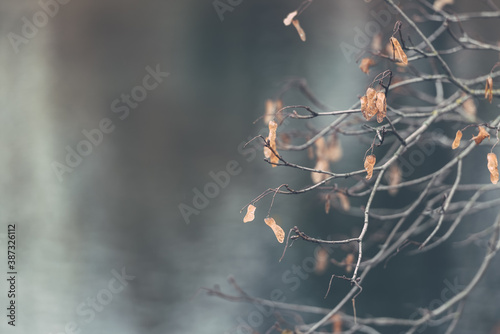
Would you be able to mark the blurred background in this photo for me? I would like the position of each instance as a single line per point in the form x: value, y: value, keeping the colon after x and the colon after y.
x: 115, y: 212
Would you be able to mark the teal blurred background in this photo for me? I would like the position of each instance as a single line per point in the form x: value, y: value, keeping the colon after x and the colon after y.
x: 119, y: 207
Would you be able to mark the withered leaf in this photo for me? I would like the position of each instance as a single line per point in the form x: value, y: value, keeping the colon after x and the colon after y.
x: 488, y: 89
x: 381, y: 107
x: 456, y: 142
x: 369, y: 164
x: 333, y: 151
x: 323, y: 165
x: 272, y: 143
x: 481, y: 135
x: 493, y: 167
x: 399, y: 54
x: 270, y: 111
x: 250, y: 216
x: 365, y: 65
x: 288, y: 19
x: 349, y: 260
x: 394, y: 176
x: 337, y: 323
x: 278, y: 231
x: 321, y: 261
x: 301, y: 32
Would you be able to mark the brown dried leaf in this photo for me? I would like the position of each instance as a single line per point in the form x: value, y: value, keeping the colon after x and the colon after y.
x: 456, y: 142
x: 323, y: 165
x: 399, y: 54
x: 371, y: 104
x: 288, y: 19
x: 267, y: 151
x: 493, y: 167
x: 488, y: 89
x: 439, y: 4
x: 349, y: 260
x: 365, y: 65
x: 394, y: 176
x: 333, y: 150
x: 470, y: 109
x: 344, y: 202
x: 273, y: 158
x: 321, y: 261
x: 250, y: 214
x: 270, y: 111
x: 364, y: 104
x: 301, y: 32
x: 369, y: 164
x: 381, y: 107
x: 337, y: 323
x: 320, y: 144
x: 481, y: 135
x: 278, y: 231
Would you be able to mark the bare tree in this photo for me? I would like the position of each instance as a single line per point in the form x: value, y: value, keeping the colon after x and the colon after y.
x: 406, y: 116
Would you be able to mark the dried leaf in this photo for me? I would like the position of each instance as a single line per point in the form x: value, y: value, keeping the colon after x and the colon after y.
x: 377, y: 42
x: 288, y: 19
x: 365, y: 65
x: 364, y: 104
x: 327, y: 204
x: 493, y: 167
x: 488, y: 89
x: 349, y: 260
x: 278, y: 231
x: 333, y: 150
x: 323, y: 165
x: 369, y: 108
x: 270, y: 111
x: 399, y: 54
x: 344, y: 202
x: 321, y: 261
x: 370, y: 161
x: 273, y: 158
x: 456, y: 142
x: 267, y: 151
x: 279, y: 113
x: 301, y: 32
x: 337, y: 323
x: 381, y: 107
x: 394, y: 177
x: 320, y: 144
x: 481, y: 135
x: 250, y: 214
x: 439, y: 4
x: 470, y: 109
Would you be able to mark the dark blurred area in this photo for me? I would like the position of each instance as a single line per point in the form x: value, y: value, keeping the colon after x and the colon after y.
x: 173, y: 91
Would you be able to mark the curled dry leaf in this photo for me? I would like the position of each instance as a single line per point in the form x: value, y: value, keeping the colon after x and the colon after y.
x: 381, y: 107
x: 250, y: 216
x: 399, y: 54
x: 394, y: 176
x: 456, y: 142
x: 288, y: 19
x: 333, y: 150
x: 337, y: 323
x: 278, y: 231
x: 370, y: 161
x: 481, y: 135
x: 369, y: 104
x: 301, y: 32
x: 365, y: 65
x: 272, y: 143
x: 349, y: 260
x: 321, y: 261
x: 323, y: 165
x: 488, y: 89
x: 439, y: 4
x: 493, y: 167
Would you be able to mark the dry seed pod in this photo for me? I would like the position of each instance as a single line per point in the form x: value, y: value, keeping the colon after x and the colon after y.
x: 301, y: 32
x: 439, y: 4
x: 493, y: 167
x: 272, y: 143
x: 369, y: 164
x: 394, y: 177
x: 365, y: 65
x: 481, y: 135
x: 288, y: 19
x: 250, y: 214
x: 323, y: 165
x: 278, y: 231
x: 321, y: 261
x: 399, y: 54
x: 456, y: 142
x: 488, y: 89
x: 381, y: 107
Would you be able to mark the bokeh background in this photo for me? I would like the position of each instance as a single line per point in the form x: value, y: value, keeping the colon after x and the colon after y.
x: 119, y: 208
